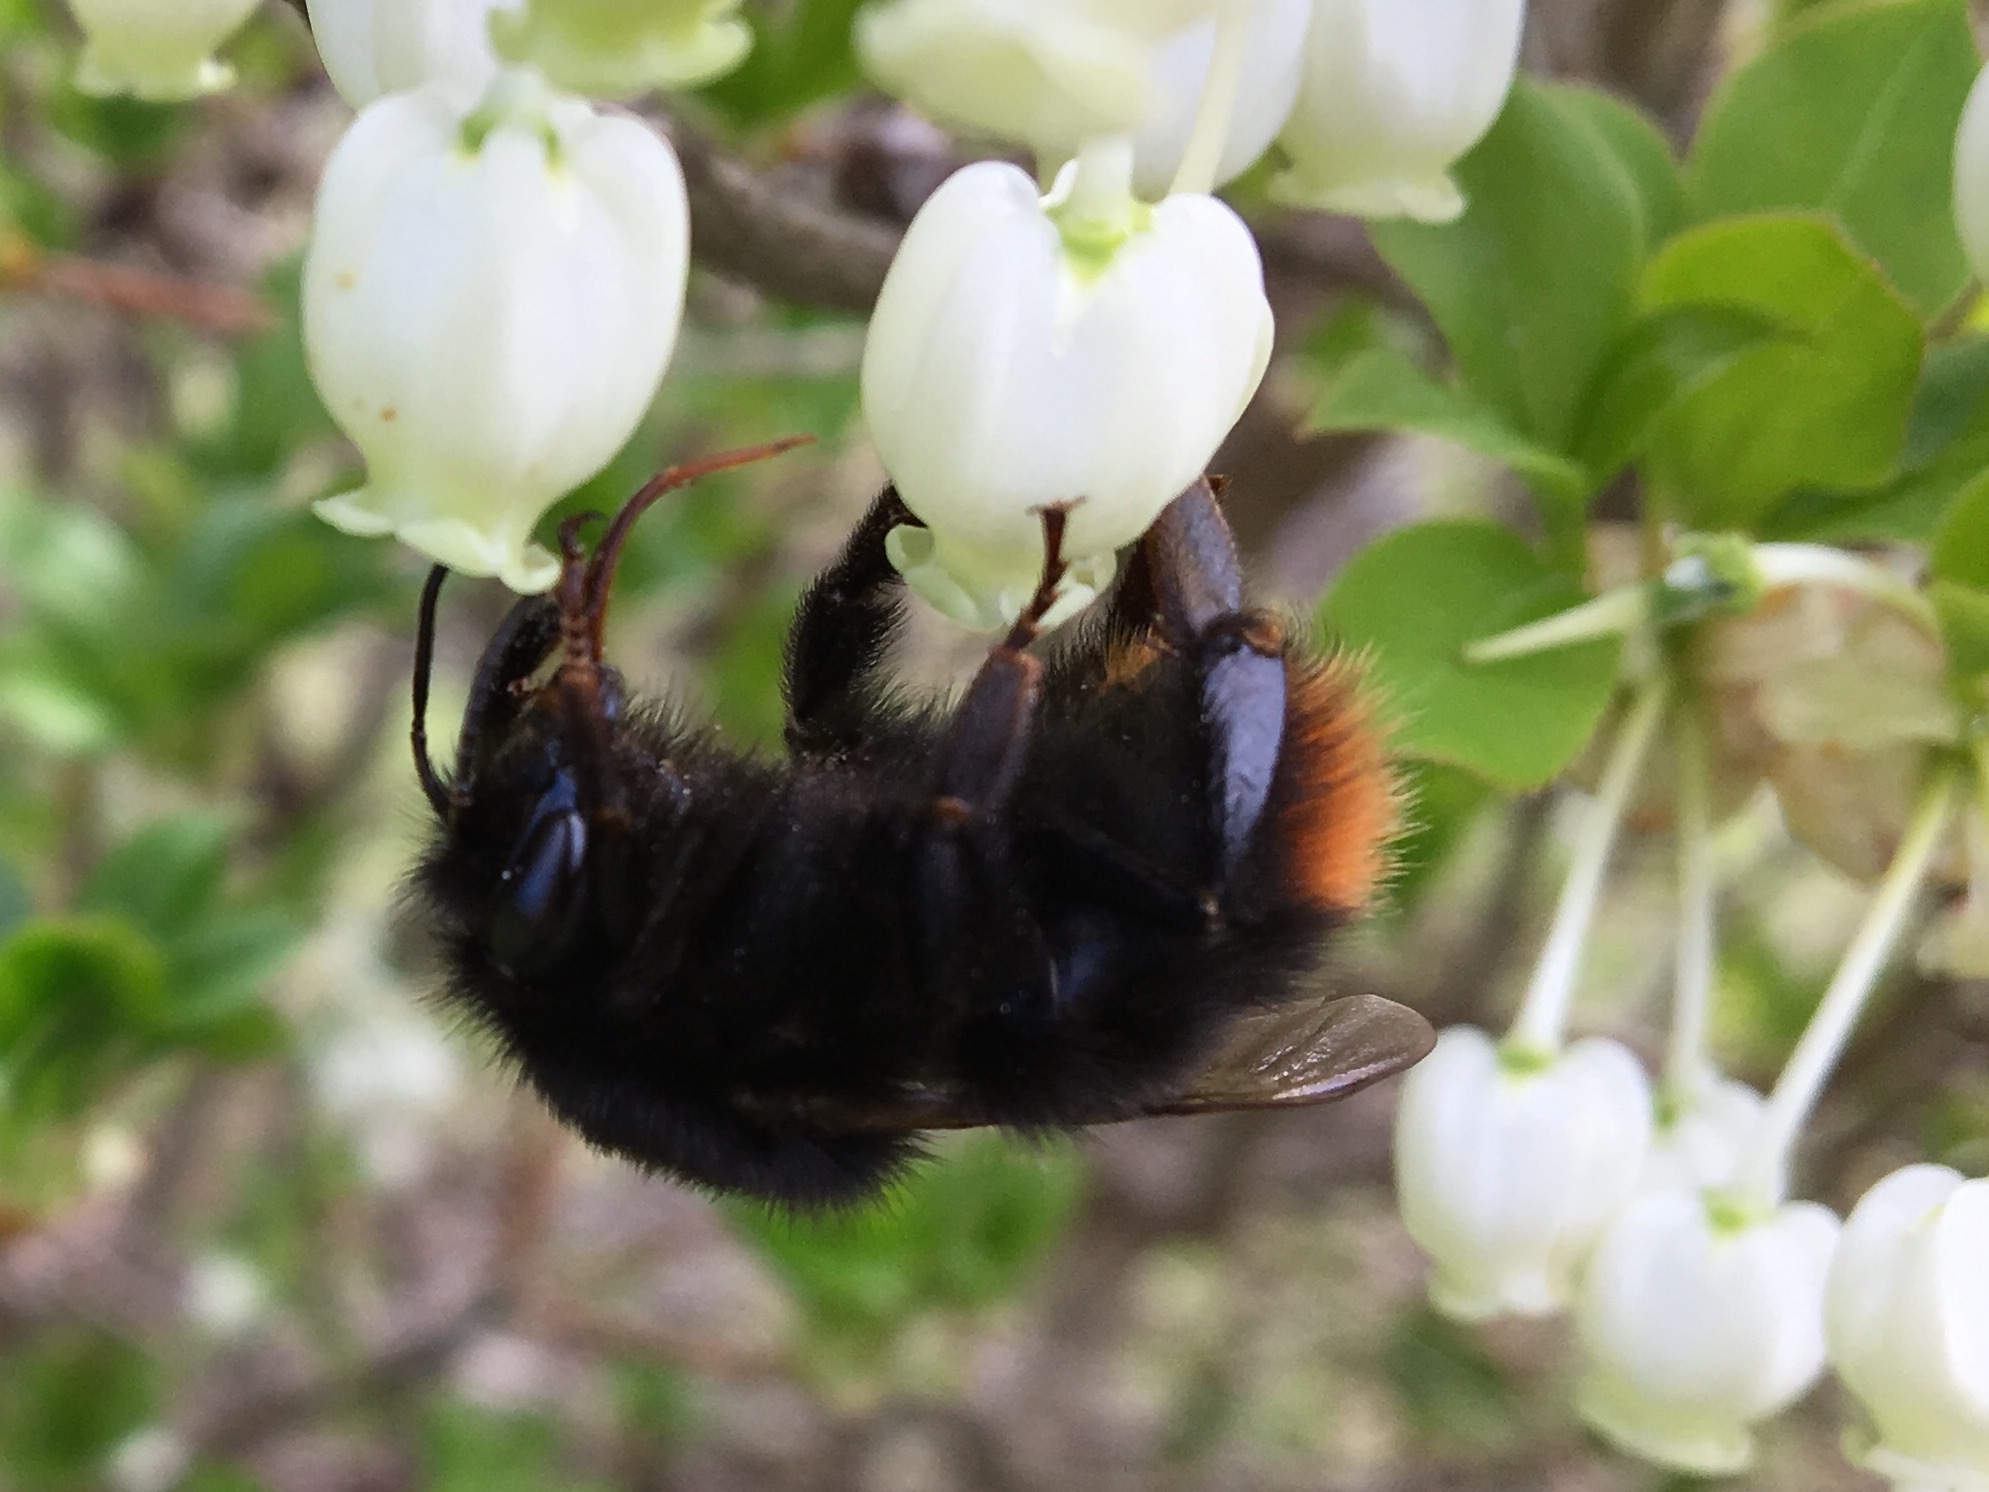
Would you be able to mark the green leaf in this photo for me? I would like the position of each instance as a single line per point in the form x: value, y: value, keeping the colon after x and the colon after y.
x: 73, y: 1393
x: 1536, y: 280
x: 1951, y: 406
x: 1963, y: 614
x: 80, y: 1000
x: 218, y: 976
x: 1380, y: 389
x: 166, y: 877
x: 1947, y: 447
x: 469, y: 1449
x: 1652, y: 368
x: 1641, y: 149
x: 1826, y: 405
x: 1852, y: 114
x: 798, y: 59
x: 1961, y: 548
x: 1960, y: 591
x: 963, y: 1230
x: 1443, y: 802
x: 1414, y: 599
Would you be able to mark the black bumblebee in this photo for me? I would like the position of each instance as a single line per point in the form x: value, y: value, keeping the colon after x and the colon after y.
x: 1095, y: 888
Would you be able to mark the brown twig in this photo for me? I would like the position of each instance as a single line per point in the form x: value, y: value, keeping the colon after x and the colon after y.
x: 747, y: 229
x: 131, y: 292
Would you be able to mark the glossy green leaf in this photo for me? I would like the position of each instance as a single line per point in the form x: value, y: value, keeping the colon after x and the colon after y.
x: 1852, y: 114
x: 1826, y: 404
x: 1536, y: 280
x: 1653, y: 368
x: 1414, y: 599
x: 1380, y: 389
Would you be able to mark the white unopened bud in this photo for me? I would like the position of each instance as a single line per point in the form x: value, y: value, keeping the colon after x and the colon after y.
x: 372, y: 47
x: 1508, y: 1164
x: 1698, y: 1321
x: 490, y: 297
x: 1027, y: 352
x: 612, y: 49
x: 1394, y: 92
x: 1907, y: 1316
x: 154, y: 50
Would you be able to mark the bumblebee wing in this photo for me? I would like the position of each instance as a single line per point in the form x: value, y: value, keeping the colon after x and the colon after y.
x: 1312, y: 1052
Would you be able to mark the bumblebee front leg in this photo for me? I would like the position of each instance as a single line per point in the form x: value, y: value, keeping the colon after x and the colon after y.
x: 985, y: 959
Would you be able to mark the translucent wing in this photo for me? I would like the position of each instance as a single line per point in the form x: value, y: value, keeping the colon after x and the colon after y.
x: 1311, y: 1052
x: 1307, y: 1053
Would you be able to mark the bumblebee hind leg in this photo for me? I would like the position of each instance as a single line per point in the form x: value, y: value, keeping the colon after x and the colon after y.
x: 1301, y: 796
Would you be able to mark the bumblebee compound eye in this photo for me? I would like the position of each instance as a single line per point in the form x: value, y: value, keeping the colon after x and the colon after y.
x: 540, y: 906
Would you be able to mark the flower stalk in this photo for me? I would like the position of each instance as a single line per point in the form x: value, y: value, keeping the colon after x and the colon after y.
x: 1686, y: 1072
x: 1764, y: 1170
x: 1543, y: 1014
x: 1202, y: 161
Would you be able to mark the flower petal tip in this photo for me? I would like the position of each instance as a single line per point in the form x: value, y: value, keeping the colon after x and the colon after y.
x: 1422, y: 199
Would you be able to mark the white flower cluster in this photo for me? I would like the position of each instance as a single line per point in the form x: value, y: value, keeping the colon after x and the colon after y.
x: 1541, y: 1176
x: 1091, y: 346
x: 497, y: 266
x: 497, y: 270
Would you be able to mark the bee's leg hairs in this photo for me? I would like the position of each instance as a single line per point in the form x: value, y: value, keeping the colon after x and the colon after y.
x: 846, y: 622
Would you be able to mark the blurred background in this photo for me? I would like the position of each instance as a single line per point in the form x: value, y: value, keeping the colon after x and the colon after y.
x: 266, y: 1224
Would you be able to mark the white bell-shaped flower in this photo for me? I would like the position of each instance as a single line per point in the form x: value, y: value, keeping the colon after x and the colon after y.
x: 1697, y: 1321
x: 1701, y: 1136
x: 154, y: 50
x: 1971, y: 177
x: 373, y: 47
x: 490, y: 297
x: 1508, y: 1164
x: 1025, y: 352
x: 1907, y: 1317
x: 1049, y: 74
x: 612, y: 49
x: 1394, y: 92
x: 1179, y: 66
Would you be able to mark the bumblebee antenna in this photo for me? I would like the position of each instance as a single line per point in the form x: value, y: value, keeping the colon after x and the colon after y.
x: 438, y: 794
x: 601, y: 569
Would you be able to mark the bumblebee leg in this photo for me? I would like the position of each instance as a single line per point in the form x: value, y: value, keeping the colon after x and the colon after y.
x: 1188, y: 564
x: 983, y: 752
x: 522, y: 641
x: 1301, y: 797
x: 847, y: 620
